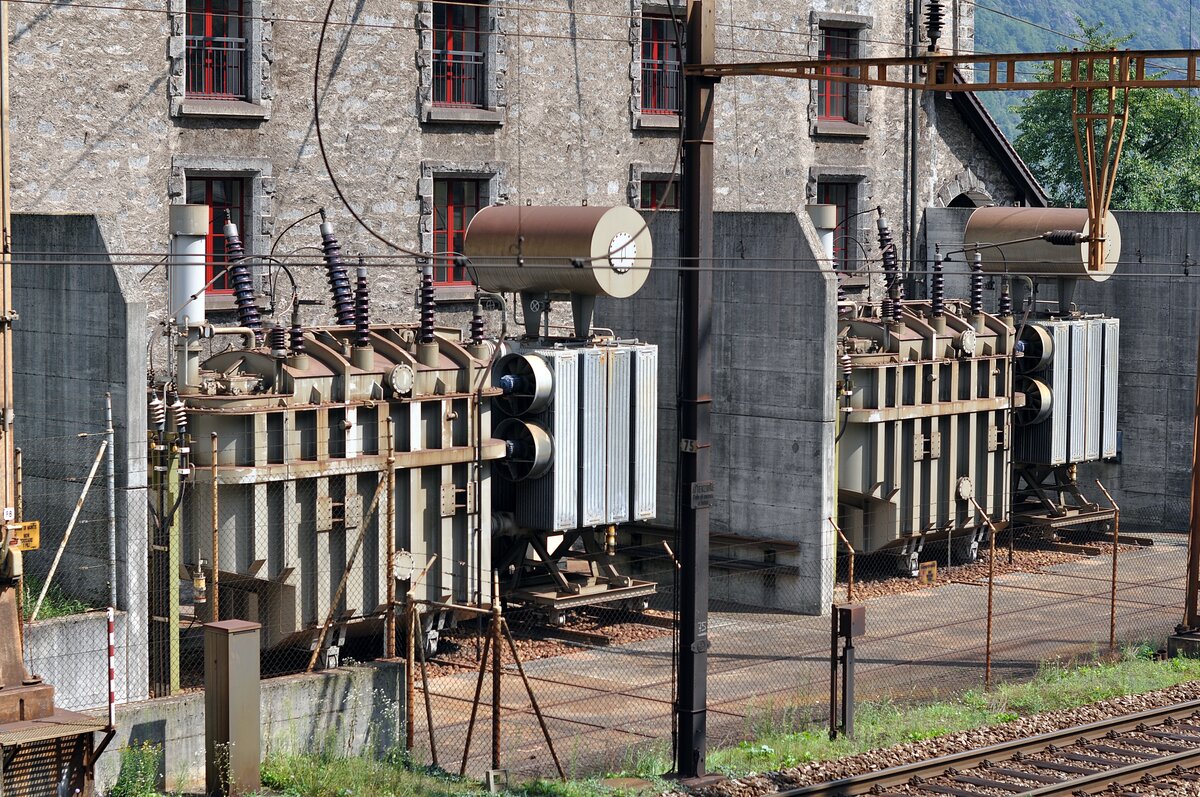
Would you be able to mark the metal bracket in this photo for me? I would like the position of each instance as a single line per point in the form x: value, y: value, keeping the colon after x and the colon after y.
x: 449, y: 494
x: 700, y: 646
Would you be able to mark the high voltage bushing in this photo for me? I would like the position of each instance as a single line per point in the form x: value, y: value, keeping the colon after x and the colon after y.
x: 1005, y: 303
x: 179, y: 415
x: 296, y: 337
x: 158, y: 414
x: 938, y: 288
x: 335, y: 271
x: 977, y: 284
x: 477, y: 325
x: 934, y: 16
x: 891, y: 271
x: 277, y: 339
x: 362, y: 308
x: 238, y: 272
x: 428, y: 306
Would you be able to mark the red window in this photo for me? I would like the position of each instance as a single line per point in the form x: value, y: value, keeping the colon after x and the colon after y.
x: 842, y: 196
x: 662, y: 89
x: 216, y: 50
x: 455, y: 203
x: 458, y: 54
x: 660, y: 194
x: 833, y: 99
x: 221, y: 194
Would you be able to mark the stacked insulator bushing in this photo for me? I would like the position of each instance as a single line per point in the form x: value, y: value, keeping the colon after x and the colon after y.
x: 238, y: 273
x: 428, y: 306
x: 158, y: 414
x: 296, y: 332
x: 847, y: 365
x: 277, y: 339
x: 934, y: 17
x: 937, y: 301
x: 891, y: 272
x: 178, y: 412
x: 477, y: 325
x: 335, y: 271
x: 977, y: 284
x: 1005, y: 303
x: 362, y: 309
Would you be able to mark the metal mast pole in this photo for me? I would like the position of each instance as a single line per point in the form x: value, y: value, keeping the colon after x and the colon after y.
x: 6, y: 308
x: 695, y: 401
x: 1191, y: 615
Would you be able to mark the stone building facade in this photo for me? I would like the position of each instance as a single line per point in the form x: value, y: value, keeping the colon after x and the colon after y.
x: 428, y: 110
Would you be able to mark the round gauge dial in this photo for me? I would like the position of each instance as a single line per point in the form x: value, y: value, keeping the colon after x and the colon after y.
x: 622, y: 252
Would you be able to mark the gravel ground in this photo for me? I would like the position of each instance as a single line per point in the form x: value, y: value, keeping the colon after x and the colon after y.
x: 1024, y: 561
x: 818, y: 772
x: 534, y: 640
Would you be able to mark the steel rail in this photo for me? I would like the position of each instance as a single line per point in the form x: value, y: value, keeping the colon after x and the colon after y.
x: 873, y: 782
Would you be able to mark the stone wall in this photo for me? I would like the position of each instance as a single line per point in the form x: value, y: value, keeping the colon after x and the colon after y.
x: 103, y: 127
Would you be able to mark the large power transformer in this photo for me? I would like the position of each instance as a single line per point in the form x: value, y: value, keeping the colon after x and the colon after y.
x: 948, y: 412
x: 512, y: 461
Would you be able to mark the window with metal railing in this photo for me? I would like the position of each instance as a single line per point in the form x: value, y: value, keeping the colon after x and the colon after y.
x: 221, y: 194
x: 662, y: 84
x: 459, y: 54
x: 216, y: 50
x: 455, y: 203
x: 833, y: 98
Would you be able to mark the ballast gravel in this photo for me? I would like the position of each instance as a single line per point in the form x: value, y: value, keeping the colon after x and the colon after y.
x: 911, y: 752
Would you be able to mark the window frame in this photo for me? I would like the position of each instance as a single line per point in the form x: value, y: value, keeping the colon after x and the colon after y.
x: 492, y: 177
x: 659, y: 188
x: 846, y: 204
x: 255, y: 103
x: 831, y: 94
x: 210, y: 16
x: 492, y: 97
x: 850, y: 28
x: 443, y: 238
x: 212, y: 260
x: 659, y: 102
x: 641, y: 118
x: 445, y: 55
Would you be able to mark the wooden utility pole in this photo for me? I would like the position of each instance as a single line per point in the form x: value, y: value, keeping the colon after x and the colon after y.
x: 695, y: 400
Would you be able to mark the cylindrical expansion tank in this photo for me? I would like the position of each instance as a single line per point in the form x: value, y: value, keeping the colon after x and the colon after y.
x: 997, y: 225
x: 612, y: 244
x: 186, y: 274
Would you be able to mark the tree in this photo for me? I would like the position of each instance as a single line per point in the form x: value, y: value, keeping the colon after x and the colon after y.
x: 1160, y: 165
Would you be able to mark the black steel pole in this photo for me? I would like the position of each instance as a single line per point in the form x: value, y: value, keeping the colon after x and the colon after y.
x: 695, y: 400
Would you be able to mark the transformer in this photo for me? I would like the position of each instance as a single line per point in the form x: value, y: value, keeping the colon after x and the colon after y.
x: 514, y: 461
x: 924, y: 427
x: 303, y: 447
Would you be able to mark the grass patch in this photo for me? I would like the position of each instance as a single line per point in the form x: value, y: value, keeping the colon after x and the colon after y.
x: 880, y: 725
x: 319, y: 775
x: 140, y: 766
x: 56, y: 604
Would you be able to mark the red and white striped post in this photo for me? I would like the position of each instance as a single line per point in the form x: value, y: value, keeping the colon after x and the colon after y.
x: 112, y: 671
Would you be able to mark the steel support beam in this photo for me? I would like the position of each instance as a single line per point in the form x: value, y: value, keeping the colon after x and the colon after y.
x: 695, y: 400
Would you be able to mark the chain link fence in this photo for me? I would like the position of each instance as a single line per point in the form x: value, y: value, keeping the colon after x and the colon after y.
x: 306, y: 556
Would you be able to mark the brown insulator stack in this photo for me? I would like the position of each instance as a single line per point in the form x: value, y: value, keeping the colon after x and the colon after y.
x: 428, y: 307
x: 335, y: 271
x: 238, y: 274
x: 977, y: 284
x: 362, y: 308
x: 938, y: 288
x: 891, y: 272
x: 934, y: 16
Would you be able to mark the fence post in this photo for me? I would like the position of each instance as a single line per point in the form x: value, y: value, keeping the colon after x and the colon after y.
x: 1112, y: 607
x: 110, y: 473
x: 987, y: 665
x: 215, y: 589
x: 389, y: 634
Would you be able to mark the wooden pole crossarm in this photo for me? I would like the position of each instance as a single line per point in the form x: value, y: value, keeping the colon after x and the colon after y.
x: 1122, y: 69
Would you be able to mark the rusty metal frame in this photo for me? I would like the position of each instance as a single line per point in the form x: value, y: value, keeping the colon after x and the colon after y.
x: 1122, y: 69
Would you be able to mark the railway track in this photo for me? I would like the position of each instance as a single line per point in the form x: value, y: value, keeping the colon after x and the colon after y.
x: 1086, y: 759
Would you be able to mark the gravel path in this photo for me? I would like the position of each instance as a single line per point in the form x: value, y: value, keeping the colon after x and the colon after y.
x: 820, y: 771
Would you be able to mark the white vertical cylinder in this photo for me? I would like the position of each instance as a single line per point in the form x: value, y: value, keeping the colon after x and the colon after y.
x: 112, y: 670
x: 186, y: 274
x: 824, y: 218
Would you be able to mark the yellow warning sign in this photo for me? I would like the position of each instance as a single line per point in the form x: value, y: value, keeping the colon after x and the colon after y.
x: 25, y: 536
x: 927, y: 573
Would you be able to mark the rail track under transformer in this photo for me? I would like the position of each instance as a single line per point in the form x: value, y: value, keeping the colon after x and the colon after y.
x: 1098, y: 757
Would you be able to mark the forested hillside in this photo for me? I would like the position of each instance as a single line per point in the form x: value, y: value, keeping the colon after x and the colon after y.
x: 1154, y: 24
